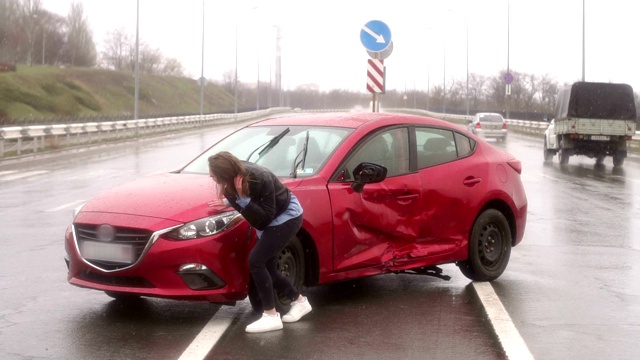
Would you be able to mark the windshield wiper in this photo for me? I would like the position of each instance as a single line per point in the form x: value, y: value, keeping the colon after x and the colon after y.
x: 268, y: 145
x: 302, y: 152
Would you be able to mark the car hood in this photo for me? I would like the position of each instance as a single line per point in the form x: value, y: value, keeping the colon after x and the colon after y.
x: 178, y: 197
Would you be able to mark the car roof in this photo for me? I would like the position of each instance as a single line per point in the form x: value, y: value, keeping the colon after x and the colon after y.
x: 349, y: 120
x: 488, y: 113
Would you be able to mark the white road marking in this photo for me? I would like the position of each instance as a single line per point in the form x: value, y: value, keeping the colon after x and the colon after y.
x: 15, y: 176
x: 549, y: 177
x: 512, y: 343
x: 61, y: 207
x: 210, y: 334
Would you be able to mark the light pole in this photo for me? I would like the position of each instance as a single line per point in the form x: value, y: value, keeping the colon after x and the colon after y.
x: 278, y: 67
x: 508, y: 86
x: 467, y: 64
x: 444, y: 76
x: 583, y: 48
x: 137, y: 85
x: 235, y: 80
x: 43, y: 42
x: 202, y: 67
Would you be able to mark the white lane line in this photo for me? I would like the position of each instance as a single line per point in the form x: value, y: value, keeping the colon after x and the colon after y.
x: 512, y: 343
x: 61, y: 207
x: 23, y: 175
x: 8, y: 172
x: 210, y: 334
x: 549, y: 177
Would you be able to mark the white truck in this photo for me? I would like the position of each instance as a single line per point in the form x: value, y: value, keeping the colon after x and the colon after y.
x: 592, y: 119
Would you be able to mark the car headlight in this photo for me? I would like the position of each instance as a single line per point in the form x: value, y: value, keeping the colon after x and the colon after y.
x: 204, y: 227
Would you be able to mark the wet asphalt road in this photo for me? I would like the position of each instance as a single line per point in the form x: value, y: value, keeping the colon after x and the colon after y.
x: 571, y: 288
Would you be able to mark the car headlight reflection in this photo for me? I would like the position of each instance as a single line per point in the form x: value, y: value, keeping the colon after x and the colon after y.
x: 206, y: 227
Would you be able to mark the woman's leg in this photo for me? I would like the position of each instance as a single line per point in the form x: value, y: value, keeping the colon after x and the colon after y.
x: 263, y: 259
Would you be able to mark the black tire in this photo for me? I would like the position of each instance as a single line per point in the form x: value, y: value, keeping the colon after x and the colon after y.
x: 489, y: 247
x: 564, y: 157
x: 548, y: 154
x: 599, y: 159
x: 618, y: 161
x: 291, y: 265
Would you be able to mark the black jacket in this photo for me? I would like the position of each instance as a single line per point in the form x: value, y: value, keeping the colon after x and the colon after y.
x: 269, y: 197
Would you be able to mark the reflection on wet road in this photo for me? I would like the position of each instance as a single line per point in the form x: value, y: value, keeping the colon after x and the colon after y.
x: 572, y: 287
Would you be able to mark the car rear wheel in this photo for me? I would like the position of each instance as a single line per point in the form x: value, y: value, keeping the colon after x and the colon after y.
x: 618, y: 161
x: 290, y: 264
x: 564, y: 156
x: 489, y: 247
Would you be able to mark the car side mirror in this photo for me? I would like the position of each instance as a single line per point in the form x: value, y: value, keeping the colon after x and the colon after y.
x: 367, y: 173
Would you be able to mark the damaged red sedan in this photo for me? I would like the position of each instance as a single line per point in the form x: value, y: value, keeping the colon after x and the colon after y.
x: 381, y: 193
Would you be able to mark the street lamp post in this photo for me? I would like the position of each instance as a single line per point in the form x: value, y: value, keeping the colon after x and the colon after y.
x: 235, y: 79
x: 444, y: 77
x: 467, y: 64
x: 137, y: 85
x: 508, y: 93
x: 202, y: 67
x: 583, y: 48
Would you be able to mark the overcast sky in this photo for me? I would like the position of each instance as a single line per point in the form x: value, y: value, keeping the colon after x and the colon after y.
x: 320, y: 40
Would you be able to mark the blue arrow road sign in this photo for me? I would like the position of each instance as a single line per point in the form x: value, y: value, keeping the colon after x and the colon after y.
x: 375, y: 35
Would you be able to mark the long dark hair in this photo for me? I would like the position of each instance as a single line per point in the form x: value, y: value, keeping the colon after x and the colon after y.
x: 225, y: 167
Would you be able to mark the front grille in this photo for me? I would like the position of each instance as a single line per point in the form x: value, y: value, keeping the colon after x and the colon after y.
x: 138, y: 238
x: 128, y: 281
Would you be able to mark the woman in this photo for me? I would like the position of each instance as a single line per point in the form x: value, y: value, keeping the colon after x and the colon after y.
x: 275, y: 212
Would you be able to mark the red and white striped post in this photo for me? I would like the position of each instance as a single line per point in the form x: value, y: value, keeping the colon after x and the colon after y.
x: 375, y: 79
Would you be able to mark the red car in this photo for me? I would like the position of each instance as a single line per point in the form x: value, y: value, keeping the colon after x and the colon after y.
x: 381, y: 193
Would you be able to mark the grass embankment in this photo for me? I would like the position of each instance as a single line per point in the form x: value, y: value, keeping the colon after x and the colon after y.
x: 42, y: 92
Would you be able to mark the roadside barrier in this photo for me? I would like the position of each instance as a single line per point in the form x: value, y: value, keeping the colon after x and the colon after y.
x: 17, y: 140
x: 20, y: 140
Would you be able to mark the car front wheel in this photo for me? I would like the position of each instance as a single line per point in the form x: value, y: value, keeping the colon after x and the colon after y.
x: 290, y: 263
x: 489, y: 247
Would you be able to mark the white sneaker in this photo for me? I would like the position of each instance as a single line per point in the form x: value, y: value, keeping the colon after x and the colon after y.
x: 298, y: 310
x: 265, y: 323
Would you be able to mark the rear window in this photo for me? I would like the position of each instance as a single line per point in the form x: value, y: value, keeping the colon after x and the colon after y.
x: 491, y: 118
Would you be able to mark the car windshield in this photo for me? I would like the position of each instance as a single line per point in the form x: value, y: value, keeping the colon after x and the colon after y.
x: 491, y: 118
x: 279, y: 148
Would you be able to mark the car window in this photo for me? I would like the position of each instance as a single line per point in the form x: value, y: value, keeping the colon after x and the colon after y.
x: 491, y: 118
x: 249, y: 143
x: 435, y: 146
x: 464, y: 144
x: 389, y: 149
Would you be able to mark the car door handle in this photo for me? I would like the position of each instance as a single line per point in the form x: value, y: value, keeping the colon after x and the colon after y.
x: 471, y: 181
x: 405, y: 199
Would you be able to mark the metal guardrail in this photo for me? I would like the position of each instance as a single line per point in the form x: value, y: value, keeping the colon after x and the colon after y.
x: 536, y: 128
x: 18, y: 140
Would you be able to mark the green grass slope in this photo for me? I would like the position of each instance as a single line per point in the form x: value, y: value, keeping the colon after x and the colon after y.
x: 43, y: 92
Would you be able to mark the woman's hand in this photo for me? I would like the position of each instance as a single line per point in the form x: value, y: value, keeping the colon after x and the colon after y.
x: 238, y: 183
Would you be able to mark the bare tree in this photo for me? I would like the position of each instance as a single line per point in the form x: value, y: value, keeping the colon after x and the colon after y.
x: 228, y: 81
x: 172, y: 67
x: 477, y: 90
x: 10, y: 30
x: 30, y: 12
x: 81, y: 50
x: 150, y: 60
x: 117, y: 48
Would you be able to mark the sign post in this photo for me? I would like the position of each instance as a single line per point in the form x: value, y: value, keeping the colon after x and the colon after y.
x: 376, y: 38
